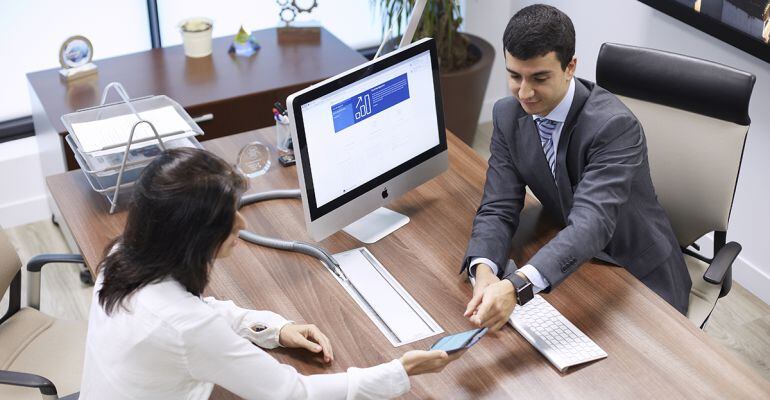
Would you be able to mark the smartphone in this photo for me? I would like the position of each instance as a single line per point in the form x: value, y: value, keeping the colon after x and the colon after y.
x: 287, y: 160
x: 459, y: 341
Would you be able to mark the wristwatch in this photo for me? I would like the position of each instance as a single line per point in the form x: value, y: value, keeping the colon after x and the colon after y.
x: 523, y: 286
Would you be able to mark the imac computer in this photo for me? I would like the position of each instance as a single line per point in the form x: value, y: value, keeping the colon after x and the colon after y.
x: 366, y: 137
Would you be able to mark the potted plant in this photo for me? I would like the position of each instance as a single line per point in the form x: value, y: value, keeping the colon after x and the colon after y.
x: 465, y: 60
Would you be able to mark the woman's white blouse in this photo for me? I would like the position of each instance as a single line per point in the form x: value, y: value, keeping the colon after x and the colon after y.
x: 169, y: 344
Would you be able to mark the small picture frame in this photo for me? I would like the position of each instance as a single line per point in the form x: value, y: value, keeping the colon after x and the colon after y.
x: 75, y: 57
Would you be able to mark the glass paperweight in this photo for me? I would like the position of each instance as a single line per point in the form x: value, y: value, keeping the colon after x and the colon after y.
x: 254, y: 159
x: 244, y: 44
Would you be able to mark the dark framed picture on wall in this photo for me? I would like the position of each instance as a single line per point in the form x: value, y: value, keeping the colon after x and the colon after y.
x: 744, y: 24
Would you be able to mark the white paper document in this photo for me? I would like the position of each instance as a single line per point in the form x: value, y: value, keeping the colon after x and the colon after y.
x: 398, y: 316
x: 111, y: 134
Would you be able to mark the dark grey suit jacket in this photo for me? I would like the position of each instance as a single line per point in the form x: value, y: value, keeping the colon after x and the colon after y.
x: 602, y: 194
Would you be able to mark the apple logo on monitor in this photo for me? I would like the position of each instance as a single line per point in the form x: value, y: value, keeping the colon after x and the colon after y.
x: 385, y: 193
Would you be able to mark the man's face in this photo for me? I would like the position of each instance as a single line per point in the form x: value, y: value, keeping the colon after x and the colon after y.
x: 538, y: 83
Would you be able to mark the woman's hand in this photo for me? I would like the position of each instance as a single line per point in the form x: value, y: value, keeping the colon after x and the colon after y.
x: 418, y: 362
x: 307, y: 337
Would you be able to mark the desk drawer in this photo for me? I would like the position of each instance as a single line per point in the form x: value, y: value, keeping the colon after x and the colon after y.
x: 239, y: 114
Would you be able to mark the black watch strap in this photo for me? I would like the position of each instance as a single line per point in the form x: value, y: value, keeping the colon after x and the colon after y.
x: 524, y: 290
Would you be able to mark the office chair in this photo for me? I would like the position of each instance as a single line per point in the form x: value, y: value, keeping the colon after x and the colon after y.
x: 39, y: 355
x: 695, y: 117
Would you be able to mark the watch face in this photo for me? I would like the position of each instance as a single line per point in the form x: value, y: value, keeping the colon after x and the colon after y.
x: 75, y: 51
x: 524, y: 290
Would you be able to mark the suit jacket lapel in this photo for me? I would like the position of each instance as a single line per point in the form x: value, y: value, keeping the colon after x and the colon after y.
x: 538, y: 173
x: 563, y: 181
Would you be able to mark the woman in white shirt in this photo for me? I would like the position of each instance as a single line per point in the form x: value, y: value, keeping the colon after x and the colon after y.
x: 152, y: 336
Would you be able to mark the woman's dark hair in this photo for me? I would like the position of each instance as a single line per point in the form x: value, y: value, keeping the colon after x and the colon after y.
x: 183, y: 209
x: 537, y: 30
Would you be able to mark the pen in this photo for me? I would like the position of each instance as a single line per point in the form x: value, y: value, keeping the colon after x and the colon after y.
x: 280, y: 108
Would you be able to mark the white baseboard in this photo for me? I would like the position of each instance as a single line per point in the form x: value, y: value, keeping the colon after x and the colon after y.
x: 746, y: 273
x: 24, y: 211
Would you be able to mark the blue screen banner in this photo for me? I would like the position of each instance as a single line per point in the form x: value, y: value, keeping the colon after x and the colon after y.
x: 370, y: 102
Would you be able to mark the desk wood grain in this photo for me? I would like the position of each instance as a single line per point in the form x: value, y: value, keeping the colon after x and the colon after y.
x: 654, y: 352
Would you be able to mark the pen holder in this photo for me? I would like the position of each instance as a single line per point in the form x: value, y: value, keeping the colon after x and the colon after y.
x: 283, y: 136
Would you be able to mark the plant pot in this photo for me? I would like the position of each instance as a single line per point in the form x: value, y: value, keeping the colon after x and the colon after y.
x: 196, y: 36
x: 462, y: 92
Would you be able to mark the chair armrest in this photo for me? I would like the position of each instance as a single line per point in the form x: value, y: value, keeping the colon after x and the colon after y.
x: 35, y: 264
x: 14, y: 298
x: 45, y: 386
x: 721, y: 263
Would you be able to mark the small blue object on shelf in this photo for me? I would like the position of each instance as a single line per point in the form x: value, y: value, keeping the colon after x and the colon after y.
x: 244, y: 44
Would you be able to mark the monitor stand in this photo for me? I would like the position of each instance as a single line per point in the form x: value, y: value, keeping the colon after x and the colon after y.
x: 376, y: 225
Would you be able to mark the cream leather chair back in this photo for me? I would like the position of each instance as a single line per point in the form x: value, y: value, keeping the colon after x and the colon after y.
x: 695, y: 118
x: 694, y: 163
x: 10, y: 265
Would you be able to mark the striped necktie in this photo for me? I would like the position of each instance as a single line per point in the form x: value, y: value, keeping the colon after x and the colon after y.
x: 546, y: 128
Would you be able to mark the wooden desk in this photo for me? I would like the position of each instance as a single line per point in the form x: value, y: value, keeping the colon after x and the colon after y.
x: 237, y: 91
x: 654, y: 352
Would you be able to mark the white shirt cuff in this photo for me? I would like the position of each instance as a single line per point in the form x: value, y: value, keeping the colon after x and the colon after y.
x: 260, y: 327
x: 481, y: 260
x: 384, y: 381
x: 539, y: 283
x: 266, y: 337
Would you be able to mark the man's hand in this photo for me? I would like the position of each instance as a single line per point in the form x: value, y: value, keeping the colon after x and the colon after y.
x: 307, y: 337
x: 492, y: 307
x: 484, y: 277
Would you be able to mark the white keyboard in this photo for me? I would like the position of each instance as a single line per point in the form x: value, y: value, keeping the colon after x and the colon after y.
x: 562, y: 343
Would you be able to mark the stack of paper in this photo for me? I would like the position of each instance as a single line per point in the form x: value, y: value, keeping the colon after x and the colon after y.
x: 110, y: 135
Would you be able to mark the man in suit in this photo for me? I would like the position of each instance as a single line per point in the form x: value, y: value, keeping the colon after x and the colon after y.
x: 583, y: 154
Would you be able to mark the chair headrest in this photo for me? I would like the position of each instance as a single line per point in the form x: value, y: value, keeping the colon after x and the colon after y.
x: 676, y: 80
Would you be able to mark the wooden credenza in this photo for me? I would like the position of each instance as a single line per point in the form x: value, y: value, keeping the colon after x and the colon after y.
x: 228, y: 94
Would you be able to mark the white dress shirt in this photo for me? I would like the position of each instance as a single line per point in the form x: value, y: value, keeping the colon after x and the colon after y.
x: 558, y: 114
x: 168, y: 344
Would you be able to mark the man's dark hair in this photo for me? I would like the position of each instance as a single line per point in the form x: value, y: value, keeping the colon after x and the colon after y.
x: 766, y: 12
x: 183, y: 209
x: 537, y: 30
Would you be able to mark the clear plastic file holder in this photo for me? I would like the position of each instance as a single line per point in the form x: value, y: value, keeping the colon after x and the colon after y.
x: 114, y: 168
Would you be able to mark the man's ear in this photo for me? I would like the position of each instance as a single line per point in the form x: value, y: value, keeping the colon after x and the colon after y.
x: 571, y: 68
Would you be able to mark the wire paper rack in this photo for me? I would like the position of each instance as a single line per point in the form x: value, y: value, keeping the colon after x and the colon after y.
x: 111, y: 170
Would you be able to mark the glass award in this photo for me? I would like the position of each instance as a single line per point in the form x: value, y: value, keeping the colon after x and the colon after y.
x: 254, y: 159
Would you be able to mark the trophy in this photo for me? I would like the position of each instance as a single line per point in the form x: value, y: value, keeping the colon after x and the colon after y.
x: 294, y: 32
x: 254, y: 159
x: 244, y: 44
x: 75, y: 57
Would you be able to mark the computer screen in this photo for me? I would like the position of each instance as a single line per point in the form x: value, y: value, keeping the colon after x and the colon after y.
x: 357, y: 131
x: 369, y: 127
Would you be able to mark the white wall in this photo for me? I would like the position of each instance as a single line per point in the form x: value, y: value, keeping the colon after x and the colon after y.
x: 22, y: 199
x: 487, y: 19
x: 23, y: 195
x: 631, y: 22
